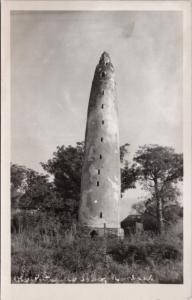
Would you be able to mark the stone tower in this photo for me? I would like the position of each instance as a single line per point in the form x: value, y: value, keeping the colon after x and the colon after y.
x: 100, y: 183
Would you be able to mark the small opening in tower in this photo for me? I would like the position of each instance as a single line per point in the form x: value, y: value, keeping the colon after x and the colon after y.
x: 103, y: 92
x: 99, y: 171
x: 100, y: 156
x: 103, y: 74
x: 102, y: 106
x: 102, y: 121
x: 97, y: 183
x: 101, y: 139
x: 101, y: 215
x: 93, y: 234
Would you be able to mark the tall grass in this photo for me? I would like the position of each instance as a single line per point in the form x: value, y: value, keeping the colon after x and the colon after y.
x: 46, y: 256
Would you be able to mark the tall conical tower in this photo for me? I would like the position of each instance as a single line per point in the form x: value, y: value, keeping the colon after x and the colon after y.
x: 100, y: 184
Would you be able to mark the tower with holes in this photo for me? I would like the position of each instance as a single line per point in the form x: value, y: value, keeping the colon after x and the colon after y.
x: 100, y: 182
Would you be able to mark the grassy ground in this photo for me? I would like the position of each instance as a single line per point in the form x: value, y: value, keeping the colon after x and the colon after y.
x: 45, y: 257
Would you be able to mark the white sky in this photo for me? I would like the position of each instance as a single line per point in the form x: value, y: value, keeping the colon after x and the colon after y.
x: 53, y: 59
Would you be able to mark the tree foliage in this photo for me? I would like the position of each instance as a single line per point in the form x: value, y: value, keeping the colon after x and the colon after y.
x: 18, y: 183
x: 39, y: 193
x: 128, y: 171
x: 159, y: 168
x: 124, y: 152
x: 31, y: 190
x: 128, y: 177
x: 66, y: 168
x: 18, y: 174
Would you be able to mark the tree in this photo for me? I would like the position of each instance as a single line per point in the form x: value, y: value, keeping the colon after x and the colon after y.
x: 128, y: 171
x: 66, y: 168
x: 124, y: 152
x: 31, y: 190
x: 172, y: 212
x: 128, y: 176
x: 159, y: 168
x: 18, y: 175
x: 18, y: 183
x: 39, y: 193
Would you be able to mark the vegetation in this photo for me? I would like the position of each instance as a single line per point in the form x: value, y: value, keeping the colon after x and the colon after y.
x: 48, y: 246
x: 31, y: 190
x: 66, y: 166
x: 44, y: 257
x: 129, y: 172
x: 159, y: 168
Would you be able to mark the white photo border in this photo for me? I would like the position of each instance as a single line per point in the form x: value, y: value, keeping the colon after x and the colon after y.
x: 94, y: 291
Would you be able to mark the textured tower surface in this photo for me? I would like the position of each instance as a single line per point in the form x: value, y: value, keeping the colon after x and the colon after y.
x: 100, y: 184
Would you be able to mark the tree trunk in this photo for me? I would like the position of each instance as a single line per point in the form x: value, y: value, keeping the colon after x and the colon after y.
x: 159, y: 211
x: 159, y: 216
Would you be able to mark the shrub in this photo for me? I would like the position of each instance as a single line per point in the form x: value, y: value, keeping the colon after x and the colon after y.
x: 151, y: 251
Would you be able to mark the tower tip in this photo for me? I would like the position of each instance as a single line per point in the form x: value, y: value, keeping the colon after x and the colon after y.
x: 105, y: 58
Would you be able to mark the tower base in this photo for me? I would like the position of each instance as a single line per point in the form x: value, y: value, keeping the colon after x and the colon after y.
x: 101, y: 232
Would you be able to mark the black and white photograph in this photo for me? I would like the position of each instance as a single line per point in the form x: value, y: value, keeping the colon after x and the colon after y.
x: 97, y: 147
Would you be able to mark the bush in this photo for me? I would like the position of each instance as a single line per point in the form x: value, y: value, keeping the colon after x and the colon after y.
x: 144, y: 253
